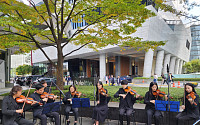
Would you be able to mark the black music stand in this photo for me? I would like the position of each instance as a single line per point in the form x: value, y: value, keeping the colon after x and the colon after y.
x: 163, y: 106
x: 51, y: 107
x: 80, y: 102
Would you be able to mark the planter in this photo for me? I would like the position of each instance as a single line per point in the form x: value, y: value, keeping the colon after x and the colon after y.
x: 9, y: 85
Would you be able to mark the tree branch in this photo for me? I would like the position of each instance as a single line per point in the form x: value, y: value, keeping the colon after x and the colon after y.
x: 50, y: 19
x: 49, y: 38
x: 14, y: 33
x: 68, y: 18
x: 75, y: 50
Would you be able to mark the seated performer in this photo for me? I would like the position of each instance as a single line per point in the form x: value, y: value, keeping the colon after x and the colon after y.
x: 126, y: 103
x: 100, y: 111
x: 37, y: 108
x: 191, y: 105
x: 48, y: 90
x: 12, y: 112
x: 149, y: 100
x: 72, y: 93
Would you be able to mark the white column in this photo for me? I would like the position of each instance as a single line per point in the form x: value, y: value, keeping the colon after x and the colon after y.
x: 148, y: 60
x: 180, y: 67
x: 102, y: 66
x: 166, y: 61
x: 177, y: 66
x: 172, y: 65
x: 159, y: 62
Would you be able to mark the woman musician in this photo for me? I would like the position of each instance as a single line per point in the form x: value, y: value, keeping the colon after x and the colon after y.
x: 72, y: 93
x: 149, y: 100
x: 12, y: 113
x: 100, y: 111
x: 191, y: 105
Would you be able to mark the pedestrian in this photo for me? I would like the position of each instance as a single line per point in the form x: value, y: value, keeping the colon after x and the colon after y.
x: 112, y: 80
x: 163, y: 79
x: 118, y: 80
x: 155, y: 78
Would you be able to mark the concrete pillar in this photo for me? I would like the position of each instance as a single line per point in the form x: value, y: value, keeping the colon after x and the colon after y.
x: 2, y: 74
x: 177, y: 66
x: 180, y: 67
x: 102, y: 66
x: 117, y: 66
x: 130, y: 65
x: 166, y: 61
x: 172, y: 65
x: 159, y: 62
x: 148, y: 60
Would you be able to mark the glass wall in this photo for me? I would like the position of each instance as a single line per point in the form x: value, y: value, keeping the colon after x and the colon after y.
x: 195, y: 47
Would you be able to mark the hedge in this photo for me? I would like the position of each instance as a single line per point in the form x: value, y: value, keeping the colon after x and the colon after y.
x: 175, y: 79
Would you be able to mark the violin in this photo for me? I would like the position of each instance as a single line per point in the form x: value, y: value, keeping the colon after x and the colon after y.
x: 159, y: 93
x: 102, y: 91
x: 47, y: 95
x: 192, y: 95
x: 132, y: 92
x: 23, y: 99
x: 77, y: 93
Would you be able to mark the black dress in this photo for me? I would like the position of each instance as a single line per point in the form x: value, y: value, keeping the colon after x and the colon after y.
x: 191, y: 111
x: 150, y: 108
x: 100, y: 111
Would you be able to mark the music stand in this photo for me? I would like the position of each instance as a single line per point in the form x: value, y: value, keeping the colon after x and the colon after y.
x: 51, y: 107
x: 163, y: 105
x: 80, y: 102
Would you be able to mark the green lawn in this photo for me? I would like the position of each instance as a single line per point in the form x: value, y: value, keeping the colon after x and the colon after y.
x: 176, y: 93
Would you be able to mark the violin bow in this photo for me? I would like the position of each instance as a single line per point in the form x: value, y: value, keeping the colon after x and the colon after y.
x: 26, y: 96
x: 184, y: 92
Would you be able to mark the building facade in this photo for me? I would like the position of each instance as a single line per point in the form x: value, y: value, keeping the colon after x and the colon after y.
x: 112, y: 61
x: 195, y: 47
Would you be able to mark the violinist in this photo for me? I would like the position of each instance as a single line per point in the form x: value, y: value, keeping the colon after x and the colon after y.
x: 48, y: 90
x: 126, y: 103
x: 72, y: 93
x: 149, y: 100
x: 191, y: 105
x: 38, y: 109
x: 100, y: 111
x: 11, y: 110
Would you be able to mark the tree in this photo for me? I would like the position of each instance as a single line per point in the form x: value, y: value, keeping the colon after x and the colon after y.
x: 24, y: 69
x: 192, y: 66
x: 28, y: 26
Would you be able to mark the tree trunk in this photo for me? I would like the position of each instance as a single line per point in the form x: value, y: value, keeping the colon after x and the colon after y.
x: 59, y: 68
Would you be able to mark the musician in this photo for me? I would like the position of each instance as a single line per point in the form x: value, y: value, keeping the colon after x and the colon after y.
x: 149, y: 100
x: 191, y: 107
x: 126, y: 102
x: 100, y: 111
x: 72, y: 93
x: 48, y: 90
x: 12, y: 112
x: 37, y: 109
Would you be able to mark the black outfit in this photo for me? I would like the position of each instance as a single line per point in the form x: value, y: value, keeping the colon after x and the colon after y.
x: 37, y: 111
x: 118, y: 81
x: 68, y: 105
x: 125, y: 105
x: 10, y: 117
x: 164, y: 79
x: 150, y: 108
x: 112, y: 80
x: 170, y: 80
x: 100, y: 111
x: 190, y: 112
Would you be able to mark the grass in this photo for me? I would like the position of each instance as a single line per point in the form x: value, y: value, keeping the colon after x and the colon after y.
x: 176, y: 93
